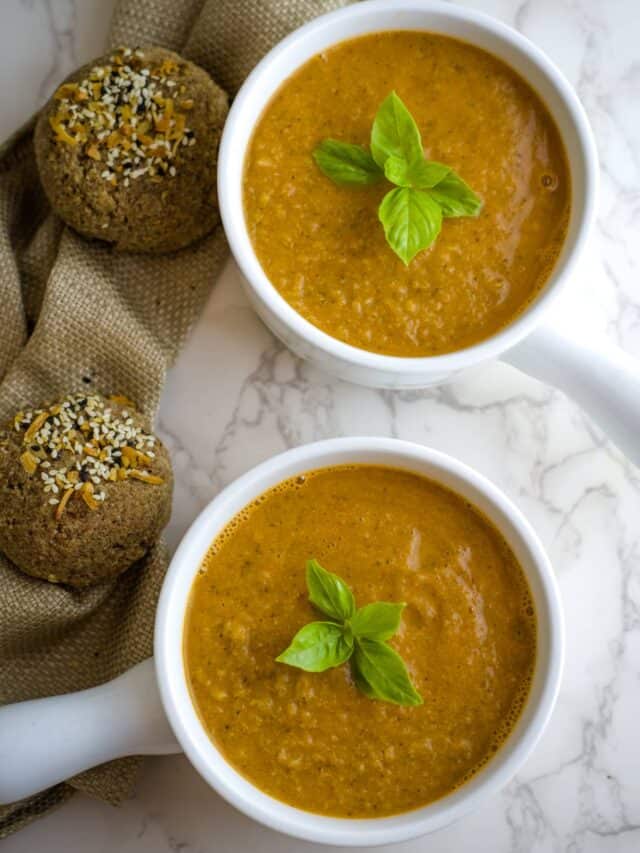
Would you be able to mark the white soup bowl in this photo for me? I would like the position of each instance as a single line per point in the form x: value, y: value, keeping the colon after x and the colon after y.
x: 149, y: 709
x: 600, y: 376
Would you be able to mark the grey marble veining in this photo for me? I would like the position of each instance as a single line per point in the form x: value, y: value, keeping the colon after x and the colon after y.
x: 237, y: 396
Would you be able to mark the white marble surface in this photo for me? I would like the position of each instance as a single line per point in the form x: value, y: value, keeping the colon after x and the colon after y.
x: 236, y: 397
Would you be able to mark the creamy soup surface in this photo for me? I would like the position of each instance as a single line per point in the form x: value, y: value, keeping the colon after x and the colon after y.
x: 468, y: 638
x: 322, y: 246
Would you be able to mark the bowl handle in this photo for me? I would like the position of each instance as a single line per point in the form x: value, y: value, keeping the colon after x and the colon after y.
x: 44, y: 741
x: 598, y: 375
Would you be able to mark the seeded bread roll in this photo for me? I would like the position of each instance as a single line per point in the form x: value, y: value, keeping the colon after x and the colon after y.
x: 85, y: 489
x: 127, y: 150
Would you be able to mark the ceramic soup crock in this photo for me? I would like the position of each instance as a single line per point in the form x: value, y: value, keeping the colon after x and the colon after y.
x: 149, y: 710
x: 604, y: 380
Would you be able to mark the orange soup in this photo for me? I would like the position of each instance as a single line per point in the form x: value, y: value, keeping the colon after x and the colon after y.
x: 467, y: 637
x: 321, y: 245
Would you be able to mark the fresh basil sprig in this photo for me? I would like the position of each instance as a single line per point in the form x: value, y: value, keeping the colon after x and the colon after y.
x: 427, y: 192
x: 358, y: 635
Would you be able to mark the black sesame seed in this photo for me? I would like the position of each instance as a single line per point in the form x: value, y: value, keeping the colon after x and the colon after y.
x: 85, y: 476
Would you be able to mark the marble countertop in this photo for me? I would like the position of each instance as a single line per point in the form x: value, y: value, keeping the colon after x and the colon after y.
x: 236, y: 396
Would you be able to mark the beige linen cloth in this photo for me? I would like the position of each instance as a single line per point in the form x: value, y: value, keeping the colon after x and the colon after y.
x: 76, y: 315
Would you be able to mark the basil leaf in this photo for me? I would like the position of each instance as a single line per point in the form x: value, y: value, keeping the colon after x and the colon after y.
x: 362, y: 685
x: 380, y: 673
x: 347, y: 164
x: 395, y: 133
x: 455, y: 197
x: 329, y: 593
x: 420, y: 174
x: 318, y: 646
x: 411, y: 220
x: 378, y: 621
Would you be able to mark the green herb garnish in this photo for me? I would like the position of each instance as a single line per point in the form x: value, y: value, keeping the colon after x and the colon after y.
x: 426, y: 192
x: 358, y: 635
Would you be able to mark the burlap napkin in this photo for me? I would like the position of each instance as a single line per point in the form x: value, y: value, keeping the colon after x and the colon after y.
x: 76, y: 315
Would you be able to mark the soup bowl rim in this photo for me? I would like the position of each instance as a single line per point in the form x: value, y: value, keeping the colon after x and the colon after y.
x: 170, y: 623
x: 302, y: 336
